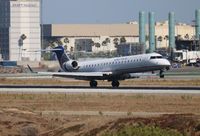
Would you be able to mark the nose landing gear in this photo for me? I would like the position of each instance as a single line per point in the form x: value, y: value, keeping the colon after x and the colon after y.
x: 162, y: 74
x: 93, y: 84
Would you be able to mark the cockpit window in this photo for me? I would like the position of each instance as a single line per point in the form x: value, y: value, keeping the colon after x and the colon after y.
x: 156, y: 57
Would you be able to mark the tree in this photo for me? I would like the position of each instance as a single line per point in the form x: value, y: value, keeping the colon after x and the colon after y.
x: 187, y: 37
x: 51, y: 44
x: 71, y: 49
x: 122, y: 39
x: 179, y: 37
x: 107, y: 40
x: 65, y: 47
x: 98, y: 45
x: 104, y: 43
x: 59, y: 42
x: 166, y: 38
x: 160, y: 38
x: 116, y: 42
x: 66, y: 40
x: 92, y: 43
x: 193, y: 37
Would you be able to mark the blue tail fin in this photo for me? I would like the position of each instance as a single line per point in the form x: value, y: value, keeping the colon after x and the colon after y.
x: 61, y: 55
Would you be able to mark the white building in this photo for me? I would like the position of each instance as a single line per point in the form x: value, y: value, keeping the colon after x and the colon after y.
x: 98, y: 33
x: 20, y: 19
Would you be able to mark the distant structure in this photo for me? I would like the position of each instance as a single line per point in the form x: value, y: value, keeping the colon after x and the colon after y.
x: 101, y: 37
x: 106, y: 37
x: 171, y: 30
x: 20, y: 30
x: 142, y: 29
x: 125, y: 49
x: 151, y: 32
x: 197, y: 23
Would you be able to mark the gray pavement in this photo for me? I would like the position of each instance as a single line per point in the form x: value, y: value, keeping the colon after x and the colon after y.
x: 100, y: 90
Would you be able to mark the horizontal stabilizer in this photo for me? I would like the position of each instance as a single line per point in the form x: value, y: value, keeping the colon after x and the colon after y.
x: 44, y: 50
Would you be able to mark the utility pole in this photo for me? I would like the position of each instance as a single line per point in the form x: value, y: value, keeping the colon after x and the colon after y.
x: 41, y: 22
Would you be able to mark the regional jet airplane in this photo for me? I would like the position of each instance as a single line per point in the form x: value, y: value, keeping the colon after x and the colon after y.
x: 112, y: 69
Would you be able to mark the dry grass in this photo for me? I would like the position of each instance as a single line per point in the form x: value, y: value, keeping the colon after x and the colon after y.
x: 103, y: 102
x: 24, y: 111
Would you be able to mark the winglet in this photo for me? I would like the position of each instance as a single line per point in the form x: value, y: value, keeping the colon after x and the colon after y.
x: 30, y: 69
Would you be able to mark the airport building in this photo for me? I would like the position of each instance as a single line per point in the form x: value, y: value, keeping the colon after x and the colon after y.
x: 90, y: 37
x: 105, y: 37
x: 20, y: 30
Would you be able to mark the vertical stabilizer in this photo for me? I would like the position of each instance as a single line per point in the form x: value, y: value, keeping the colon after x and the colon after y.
x: 61, y: 55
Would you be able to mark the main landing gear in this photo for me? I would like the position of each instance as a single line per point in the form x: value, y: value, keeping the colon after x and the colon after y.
x: 115, y: 84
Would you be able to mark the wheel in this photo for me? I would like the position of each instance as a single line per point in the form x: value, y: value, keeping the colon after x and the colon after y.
x: 161, y: 74
x: 93, y: 84
x: 115, y: 84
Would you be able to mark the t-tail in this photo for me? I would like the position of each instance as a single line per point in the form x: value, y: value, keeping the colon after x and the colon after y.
x: 65, y: 62
x: 61, y: 55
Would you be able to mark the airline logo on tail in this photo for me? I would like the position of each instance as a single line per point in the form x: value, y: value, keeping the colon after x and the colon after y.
x: 65, y: 62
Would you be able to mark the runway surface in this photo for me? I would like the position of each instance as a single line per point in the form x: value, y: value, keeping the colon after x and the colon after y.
x: 84, y: 89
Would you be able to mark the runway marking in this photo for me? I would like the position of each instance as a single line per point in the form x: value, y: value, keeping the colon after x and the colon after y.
x: 90, y: 90
x: 104, y: 113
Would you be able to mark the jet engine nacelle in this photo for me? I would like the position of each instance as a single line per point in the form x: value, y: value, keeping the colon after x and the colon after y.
x: 71, y: 65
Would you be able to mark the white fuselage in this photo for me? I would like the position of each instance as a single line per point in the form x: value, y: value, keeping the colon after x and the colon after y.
x: 123, y: 65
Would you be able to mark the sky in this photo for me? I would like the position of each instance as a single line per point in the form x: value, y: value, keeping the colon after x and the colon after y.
x: 115, y: 11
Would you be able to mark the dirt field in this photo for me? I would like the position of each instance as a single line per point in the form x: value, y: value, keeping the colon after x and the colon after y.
x: 43, y: 114
x: 90, y: 114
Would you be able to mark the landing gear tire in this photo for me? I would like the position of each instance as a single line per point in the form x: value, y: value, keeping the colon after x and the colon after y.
x: 161, y: 74
x: 115, y: 84
x: 93, y: 84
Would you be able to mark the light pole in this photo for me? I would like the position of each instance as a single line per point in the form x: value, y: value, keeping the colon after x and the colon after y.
x: 20, y: 44
x: 41, y: 22
x: 194, y: 33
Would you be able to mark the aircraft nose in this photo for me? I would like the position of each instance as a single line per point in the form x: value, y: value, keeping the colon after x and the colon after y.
x: 168, y: 63
x: 164, y: 62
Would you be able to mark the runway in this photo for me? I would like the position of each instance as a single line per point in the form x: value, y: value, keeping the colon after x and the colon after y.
x: 85, y: 89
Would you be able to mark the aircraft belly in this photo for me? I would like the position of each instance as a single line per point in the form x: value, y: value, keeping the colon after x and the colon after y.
x: 137, y: 69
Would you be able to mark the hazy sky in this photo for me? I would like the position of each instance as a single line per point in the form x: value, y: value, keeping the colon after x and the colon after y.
x: 115, y: 11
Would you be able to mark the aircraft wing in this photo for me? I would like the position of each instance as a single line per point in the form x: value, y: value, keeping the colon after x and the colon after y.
x: 76, y: 74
